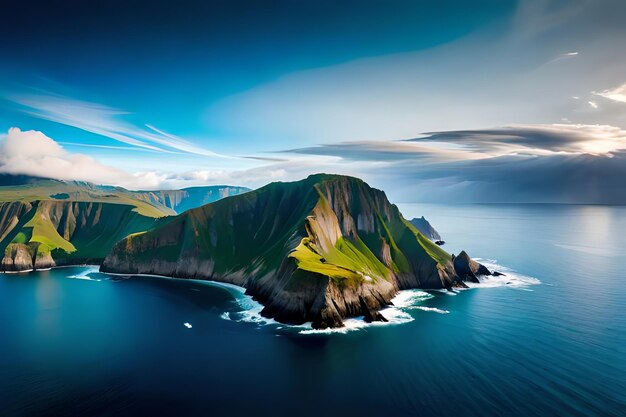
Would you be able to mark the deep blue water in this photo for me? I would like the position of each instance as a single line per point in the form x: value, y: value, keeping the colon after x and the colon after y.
x: 119, y: 347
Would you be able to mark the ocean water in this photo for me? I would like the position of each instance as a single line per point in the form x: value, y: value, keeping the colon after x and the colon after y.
x: 547, y: 339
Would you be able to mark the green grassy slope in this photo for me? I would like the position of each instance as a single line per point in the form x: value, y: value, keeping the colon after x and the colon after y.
x: 73, y: 230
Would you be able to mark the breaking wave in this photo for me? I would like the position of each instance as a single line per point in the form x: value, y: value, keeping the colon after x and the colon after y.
x: 510, y: 278
x: 87, y: 274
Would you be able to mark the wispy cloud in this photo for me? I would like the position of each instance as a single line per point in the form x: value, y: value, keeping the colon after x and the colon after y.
x: 563, y: 56
x: 104, y: 121
x: 615, y: 94
x: 593, y: 104
x: 465, y: 145
x: 112, y: 147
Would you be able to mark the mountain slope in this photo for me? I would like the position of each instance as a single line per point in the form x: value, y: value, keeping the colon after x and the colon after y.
x: 45, y: 222
x: 317, y: 250
x: 43, y: 234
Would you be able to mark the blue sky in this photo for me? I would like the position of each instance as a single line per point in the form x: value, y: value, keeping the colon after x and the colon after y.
x: 248, y: 92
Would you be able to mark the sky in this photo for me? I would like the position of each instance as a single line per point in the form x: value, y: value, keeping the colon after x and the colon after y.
x: 447, y: 101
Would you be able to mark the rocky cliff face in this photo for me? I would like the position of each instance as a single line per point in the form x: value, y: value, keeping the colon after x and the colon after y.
x: 318, y: 250
x: 17, y: 257
x: 10, y: 215
x: 42, y: 234
x: 25, y: 257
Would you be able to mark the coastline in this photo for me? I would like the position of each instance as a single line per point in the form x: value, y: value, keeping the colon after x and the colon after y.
x: 396, y: 313
x: 25, y: 271
x: 240, y: 290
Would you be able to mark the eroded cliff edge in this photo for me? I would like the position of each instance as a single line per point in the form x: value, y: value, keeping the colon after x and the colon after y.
x: 44, y: 234
x: 319, y: 250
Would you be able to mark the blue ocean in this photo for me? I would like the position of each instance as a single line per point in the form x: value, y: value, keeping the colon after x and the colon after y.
x: 548, y: 338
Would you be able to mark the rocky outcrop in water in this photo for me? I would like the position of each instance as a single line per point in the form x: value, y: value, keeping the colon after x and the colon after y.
x: 17, y: 257
x: 468, y: 269
x: 319, y: 250
x: 426, y: 229
x: 22, y: 257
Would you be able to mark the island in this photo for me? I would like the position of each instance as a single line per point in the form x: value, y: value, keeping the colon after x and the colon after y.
x: 317, y: 250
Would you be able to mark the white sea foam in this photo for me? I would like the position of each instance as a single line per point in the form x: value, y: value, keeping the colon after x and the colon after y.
x: 396, y: 314
x: 250, y: 309
x: 448, y: 292
x: 409, y: 297
x: 393, y: 314
x: 48, y: 269
x: 17, y: 272
x: 250, y: 313
x: 433, y: 309
x: 510, y: 278
x: 85, y: 275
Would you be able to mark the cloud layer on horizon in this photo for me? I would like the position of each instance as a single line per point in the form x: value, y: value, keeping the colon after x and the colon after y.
x: 35, y: 154
x: 530, y: 163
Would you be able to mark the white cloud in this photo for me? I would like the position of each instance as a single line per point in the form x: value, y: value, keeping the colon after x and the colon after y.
x: 33, y: 153
x: 615, y: 94
x: 593, y: 104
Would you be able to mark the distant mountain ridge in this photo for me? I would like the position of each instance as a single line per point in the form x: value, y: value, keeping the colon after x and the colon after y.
x: 155, y: 203
x: 320, y: 250
x: 188, y: 198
